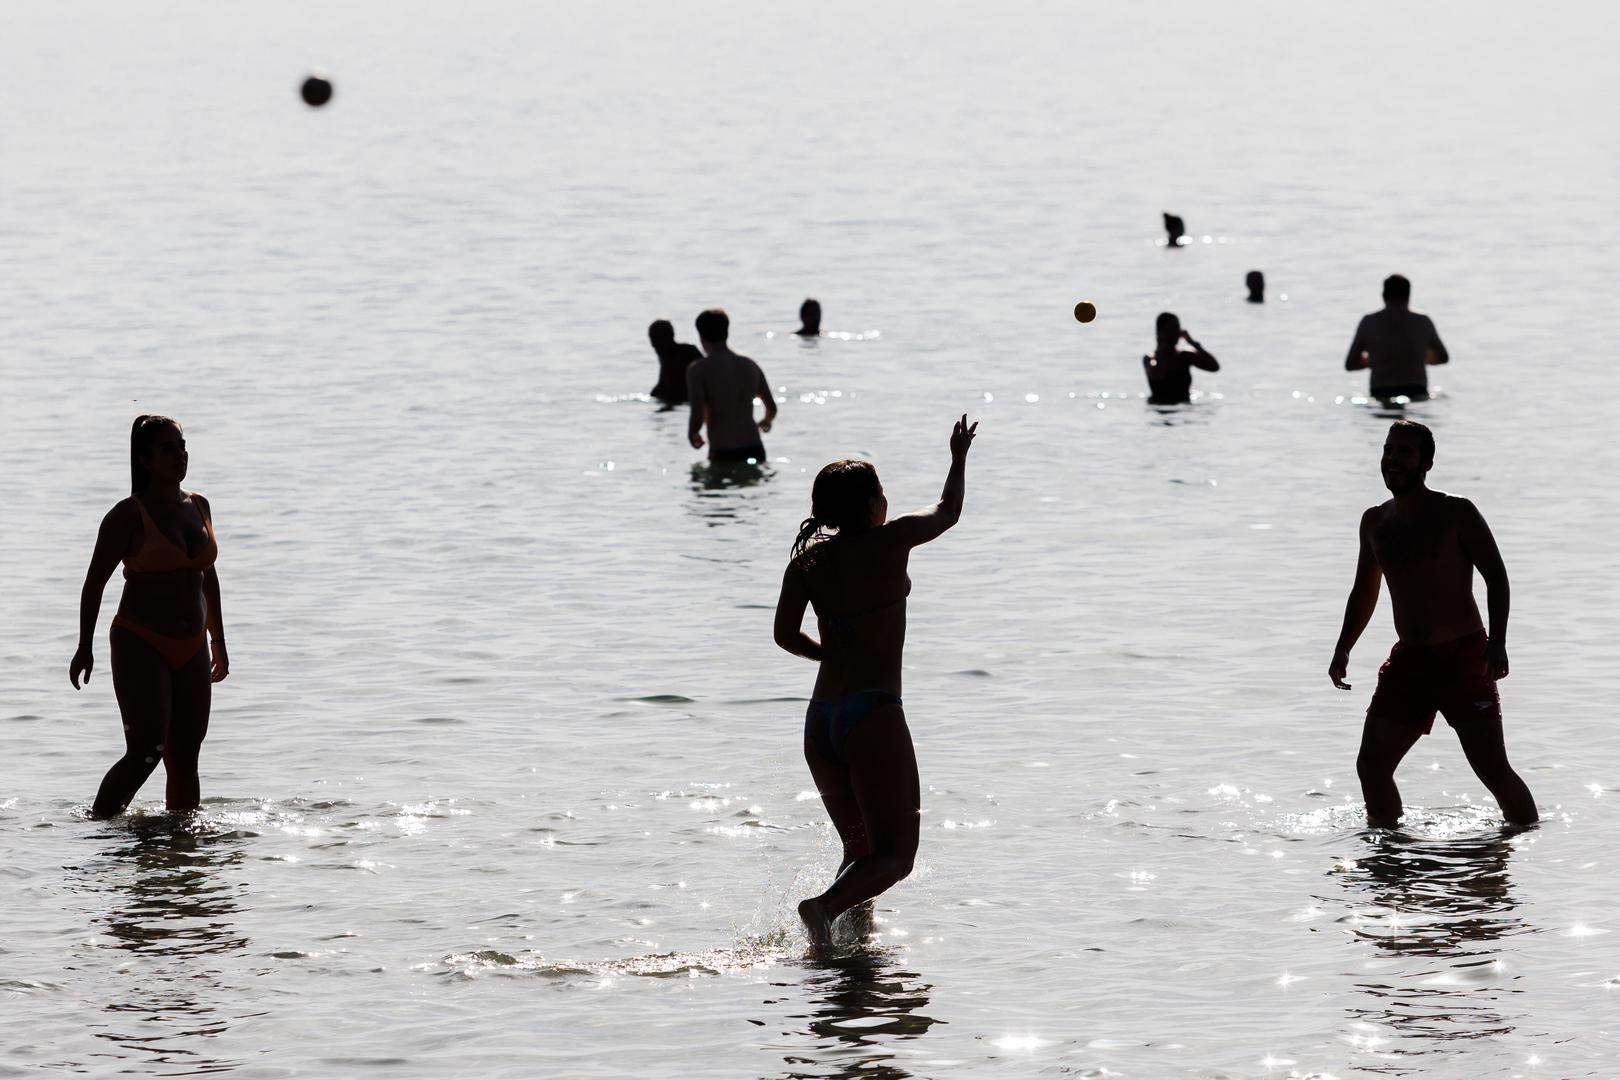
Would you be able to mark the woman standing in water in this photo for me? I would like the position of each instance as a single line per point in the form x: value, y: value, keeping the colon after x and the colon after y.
x: 162, y: 671
x: 849, y: 562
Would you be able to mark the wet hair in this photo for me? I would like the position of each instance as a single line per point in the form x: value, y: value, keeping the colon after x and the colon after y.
x: 1397, y: 289
x: 1167, y: 324
x: 713, y: 325
x: 809, y: 307
x: 661, y: 332
x: 1424, y: 435
x: 840, y: 500
x: 141, y: 435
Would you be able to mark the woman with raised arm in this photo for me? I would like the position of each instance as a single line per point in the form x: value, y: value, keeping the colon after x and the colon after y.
x: 849, y: 562
x: 162, y: 669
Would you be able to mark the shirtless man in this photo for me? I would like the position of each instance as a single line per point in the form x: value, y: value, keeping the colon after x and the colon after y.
x: 1428, y: 544
x: 722, y: 387
x: 1397, y: 344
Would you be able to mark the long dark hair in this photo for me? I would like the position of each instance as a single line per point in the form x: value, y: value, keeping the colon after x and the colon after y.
x: 840, y: 500
x: 141, y: 435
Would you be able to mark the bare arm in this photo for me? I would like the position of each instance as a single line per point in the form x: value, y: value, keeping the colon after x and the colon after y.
x: 1480, y: 546
x: 694, y: 394
x: 790, y: 607
x: 763, y: 392
x: 1200, y: 357
x: 1437, y: 348
x: 112, y: 540
x: 221, y: 665
x: 1356, y: 359
x: 921, y: 526
x: 1358, y: 610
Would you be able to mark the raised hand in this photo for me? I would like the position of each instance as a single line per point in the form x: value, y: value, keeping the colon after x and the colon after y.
x: 962, y: 436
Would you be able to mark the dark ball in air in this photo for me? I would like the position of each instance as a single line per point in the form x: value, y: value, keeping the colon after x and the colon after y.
x: 316, y: 91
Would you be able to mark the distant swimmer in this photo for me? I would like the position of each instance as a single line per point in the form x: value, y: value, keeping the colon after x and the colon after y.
x: 849, y: 563
x: 1174, y: 230
x: 162, y: 665
x: 1397, y: 344
x: 1428, y: 545
x: 723, y: 386
x: 674, y: 357
x: 809, y: 319
x: 1169, y: 369
x: 1255, y: 281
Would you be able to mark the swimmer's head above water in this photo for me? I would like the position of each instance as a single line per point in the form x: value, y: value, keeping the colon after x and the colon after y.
x: 1167, y: 328
x: 1397, y: 291
x: 157, y: 453
x: 809, y: 318
x: 661, y: 333
x: 847, y: 497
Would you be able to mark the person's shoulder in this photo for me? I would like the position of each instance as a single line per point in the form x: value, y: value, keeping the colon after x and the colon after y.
x: 1457, y: 505
x: 202, y: 504
x: 124, y: 513
x: 1372, y: 514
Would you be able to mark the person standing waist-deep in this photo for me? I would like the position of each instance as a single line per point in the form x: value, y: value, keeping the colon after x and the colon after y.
x: 723, y: 387
x: 1397, y: 345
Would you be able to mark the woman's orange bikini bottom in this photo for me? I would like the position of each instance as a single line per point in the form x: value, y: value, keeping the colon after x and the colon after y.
x: 176, y: 652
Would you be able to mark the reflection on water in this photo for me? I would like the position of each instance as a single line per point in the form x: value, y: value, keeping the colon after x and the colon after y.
x: 170, y: 909
x: 864, y: 1007
x: 722, y: 488
x: 1436, y: 912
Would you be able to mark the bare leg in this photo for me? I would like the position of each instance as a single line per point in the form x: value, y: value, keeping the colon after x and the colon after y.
x: 838, y: 796
x: 188, y: 726
x: 141, y: 683
x: 1481, y: 739
x: 1383, y: 744
x: 883, y: 777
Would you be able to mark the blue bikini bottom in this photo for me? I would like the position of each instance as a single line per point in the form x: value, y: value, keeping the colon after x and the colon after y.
x: 827, y: 724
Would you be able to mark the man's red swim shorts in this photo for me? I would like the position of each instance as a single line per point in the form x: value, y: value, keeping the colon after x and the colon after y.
x: 1419, y: 680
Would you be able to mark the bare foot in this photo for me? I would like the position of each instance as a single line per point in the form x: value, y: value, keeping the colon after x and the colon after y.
x: 816, y: 925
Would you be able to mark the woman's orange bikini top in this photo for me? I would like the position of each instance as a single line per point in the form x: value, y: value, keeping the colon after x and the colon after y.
x: 160, y: 555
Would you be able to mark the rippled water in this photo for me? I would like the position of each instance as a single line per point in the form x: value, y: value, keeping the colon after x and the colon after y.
x: 505, y: 780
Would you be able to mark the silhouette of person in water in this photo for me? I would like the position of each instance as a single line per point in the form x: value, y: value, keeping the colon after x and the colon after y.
x: 809, y: 319
x: 1397, y: 344
x: 723, y: 386
x: 674, y: 357
x: 849, y: 563
x: 1428, y: 545
x: 162, y: 669
x: 1169, y: 369
x: 1174, y: 229
x: 1256, y: 283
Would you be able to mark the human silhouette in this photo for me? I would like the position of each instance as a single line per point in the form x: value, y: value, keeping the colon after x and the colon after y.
x: 162, y: 669
x: 1169, y: 368
x: 1428, y: 544
x: 849, y: 563
x: 723, y: 387
x: 674, y: 357
x: 1256, y: 283
x: 1397, y: 344
x: 1174, y: 229
x: 809, y: 319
